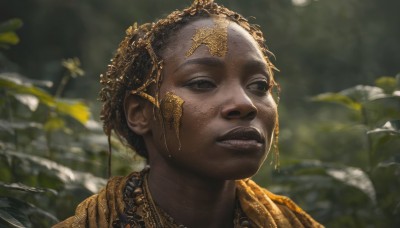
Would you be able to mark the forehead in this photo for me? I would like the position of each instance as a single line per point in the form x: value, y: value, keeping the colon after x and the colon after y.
x: 239, y: 41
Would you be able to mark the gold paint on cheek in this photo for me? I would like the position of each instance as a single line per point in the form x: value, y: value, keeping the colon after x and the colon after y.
x: 172, y: 109
x: 215, y: 38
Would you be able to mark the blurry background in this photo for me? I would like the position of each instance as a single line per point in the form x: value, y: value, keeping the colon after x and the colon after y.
x: 339, y: 104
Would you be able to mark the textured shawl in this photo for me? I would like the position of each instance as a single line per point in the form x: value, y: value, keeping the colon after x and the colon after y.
x: 262, y: 207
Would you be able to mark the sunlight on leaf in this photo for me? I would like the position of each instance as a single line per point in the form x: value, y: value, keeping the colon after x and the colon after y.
x: 62, y: 173
x: 391, y: 127
x: 363, y: 93
x: 25, y: 188
x: 388, y: 84
x: 30, y: 101
x: 354, y: 177
x: 76, y: 109
x: 10, y: 220
x: 338, y: 99
x: 9, y: 38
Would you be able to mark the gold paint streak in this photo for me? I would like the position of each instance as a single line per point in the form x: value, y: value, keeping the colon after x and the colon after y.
x: 171, y: 109
x: 215, y: 38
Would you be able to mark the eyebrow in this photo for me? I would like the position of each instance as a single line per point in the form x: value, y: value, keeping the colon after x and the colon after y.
x: 209, y: 61
x: 256, y: 65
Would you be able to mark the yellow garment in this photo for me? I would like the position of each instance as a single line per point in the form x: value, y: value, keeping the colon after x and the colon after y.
x: 262, y: 207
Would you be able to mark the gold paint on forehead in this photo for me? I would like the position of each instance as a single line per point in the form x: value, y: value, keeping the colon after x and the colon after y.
x: 172, y: 109
x: 215, y: 38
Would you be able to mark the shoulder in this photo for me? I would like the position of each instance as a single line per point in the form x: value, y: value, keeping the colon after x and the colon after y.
x: 101, y: 209
x: 269, y: 210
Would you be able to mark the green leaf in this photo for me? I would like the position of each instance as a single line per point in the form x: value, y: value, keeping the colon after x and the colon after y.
x: 33, y: 165
x: 390, y: 127
x: 338, y: 99
x: 11, y: 220
x: 9, y: 127
x: 16, y: 213
x: 354, y: 177
x: 9, y: 38
x: 363, y: 93
x: 11, y: 25
x: 383, y: 109
x: 54, y: 124
x: 76, y: 109
x: 25, y: 188
x: 388, y: 84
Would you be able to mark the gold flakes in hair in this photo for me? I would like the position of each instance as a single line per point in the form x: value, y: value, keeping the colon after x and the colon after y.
x: 141, y: 92
x: 171, y: 110
x: 215, y: 38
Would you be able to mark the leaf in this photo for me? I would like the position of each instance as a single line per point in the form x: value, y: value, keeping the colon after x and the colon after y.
x: 54, y: 124
x: 383, y: 109
x: 20, y: 214
x: 76, y: 109
x: 10, y: 220
x: 25, y: 188
x: 9, y: 38
x: 363, y: 93
x: 30, y: 101
x: 347, y: 175
x: 21, y: 80
x: 54, y: 170
x: 11, y: 25
x: 338, y: 99
x: 390, y: 127
x: 354, y: 177
x: 388, y: 84
x: 11, y: 126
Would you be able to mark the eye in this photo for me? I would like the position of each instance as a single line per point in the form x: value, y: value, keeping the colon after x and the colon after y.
x: 201, y: 84
x: 259, y: 86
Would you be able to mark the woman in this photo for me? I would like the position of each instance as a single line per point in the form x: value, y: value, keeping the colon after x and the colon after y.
x: 191, y: 93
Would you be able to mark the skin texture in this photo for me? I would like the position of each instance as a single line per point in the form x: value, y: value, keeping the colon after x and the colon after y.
x: 195, y: 183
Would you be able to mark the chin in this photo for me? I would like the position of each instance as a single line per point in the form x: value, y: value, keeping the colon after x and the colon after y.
x: 237, y: 172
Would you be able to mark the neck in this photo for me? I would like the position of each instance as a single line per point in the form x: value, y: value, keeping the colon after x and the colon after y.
x: 191, y: 200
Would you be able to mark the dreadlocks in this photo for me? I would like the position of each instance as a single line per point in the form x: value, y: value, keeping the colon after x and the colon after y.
x: 137, y: 64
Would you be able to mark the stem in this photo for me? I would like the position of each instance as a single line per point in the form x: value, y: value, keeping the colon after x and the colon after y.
x: 369, y: 139
x: 62, y: 85
x: 11, y: 118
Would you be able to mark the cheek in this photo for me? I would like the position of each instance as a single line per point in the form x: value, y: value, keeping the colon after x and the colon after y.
x: 269, y: 115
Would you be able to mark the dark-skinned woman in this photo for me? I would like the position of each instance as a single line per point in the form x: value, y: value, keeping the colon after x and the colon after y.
x: 192, y: 94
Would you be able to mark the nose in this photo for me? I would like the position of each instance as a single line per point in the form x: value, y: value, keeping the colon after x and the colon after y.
x: 238, y: 105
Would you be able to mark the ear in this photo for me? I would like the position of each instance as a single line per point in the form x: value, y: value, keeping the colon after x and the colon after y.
x: 137, y: 114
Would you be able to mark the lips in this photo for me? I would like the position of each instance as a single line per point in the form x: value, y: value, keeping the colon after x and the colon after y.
x: 242, y: 138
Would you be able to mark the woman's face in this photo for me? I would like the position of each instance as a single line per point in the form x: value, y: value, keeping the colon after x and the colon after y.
x: 228, y: 115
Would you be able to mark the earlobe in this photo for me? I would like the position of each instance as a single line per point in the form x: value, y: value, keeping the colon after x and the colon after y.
x: 136, y: 113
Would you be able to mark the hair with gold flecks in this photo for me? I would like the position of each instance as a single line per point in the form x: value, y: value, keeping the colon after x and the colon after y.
x: 138, y: 63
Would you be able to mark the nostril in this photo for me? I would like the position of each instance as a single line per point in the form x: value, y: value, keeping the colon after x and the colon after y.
x: 251, y: 115
x: 234, y: 114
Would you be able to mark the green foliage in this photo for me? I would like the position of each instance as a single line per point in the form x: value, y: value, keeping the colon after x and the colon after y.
x: 320, y: 46
x: 355, y: 196
x: 7, y: 32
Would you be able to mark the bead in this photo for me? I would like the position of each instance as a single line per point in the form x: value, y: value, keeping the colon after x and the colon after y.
x: 138, y: 191
x: 245, y: 223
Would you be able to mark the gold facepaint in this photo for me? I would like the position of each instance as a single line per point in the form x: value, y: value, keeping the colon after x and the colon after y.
x: 215, y: 38
x: 171, y: 110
